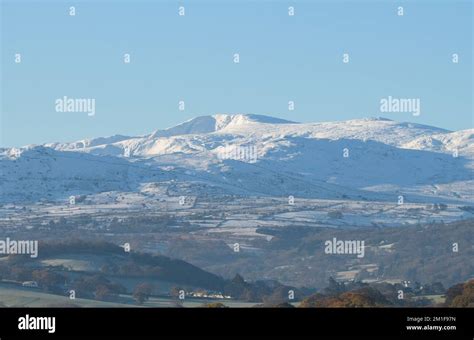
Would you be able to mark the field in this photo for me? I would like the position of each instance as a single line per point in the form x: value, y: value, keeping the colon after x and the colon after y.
x: 24, y: 297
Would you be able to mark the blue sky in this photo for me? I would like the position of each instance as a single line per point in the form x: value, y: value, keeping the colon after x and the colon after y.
x: 190, y: 58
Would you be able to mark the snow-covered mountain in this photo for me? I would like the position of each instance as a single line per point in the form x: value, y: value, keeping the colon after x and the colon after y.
x: 241, y: 154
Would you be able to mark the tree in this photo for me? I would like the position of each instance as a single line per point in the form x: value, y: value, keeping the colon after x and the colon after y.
x: 214, y: 305
x: 48, y: 279
x: 362, y: 297
x: 461, y: 295
x: 334, y: 288
x: 452, y: 292
x: 103, y: 293
x: 142, y: 292
x: 238, y: 280
x: 174, y: 292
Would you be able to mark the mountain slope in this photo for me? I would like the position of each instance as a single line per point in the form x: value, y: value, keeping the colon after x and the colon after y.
x: 374, y: 159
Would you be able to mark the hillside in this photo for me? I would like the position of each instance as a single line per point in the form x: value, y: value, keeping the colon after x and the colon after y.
x: 254, y: 155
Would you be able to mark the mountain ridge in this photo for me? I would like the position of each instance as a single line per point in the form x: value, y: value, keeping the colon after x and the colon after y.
x: 254, y: 154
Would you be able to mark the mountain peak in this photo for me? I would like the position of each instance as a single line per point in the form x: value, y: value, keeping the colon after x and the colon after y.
x: 245, y: 118
x: 217, y: 122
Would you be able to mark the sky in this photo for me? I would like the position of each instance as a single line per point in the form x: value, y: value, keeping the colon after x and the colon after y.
x: 190, y: 58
